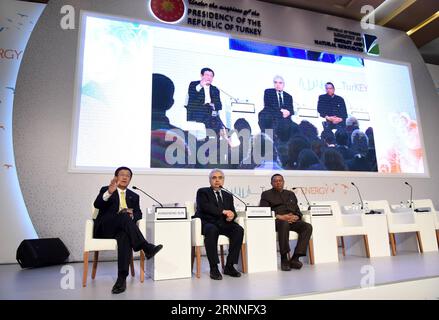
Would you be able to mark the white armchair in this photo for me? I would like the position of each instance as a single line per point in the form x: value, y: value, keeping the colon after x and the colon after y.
x: 348, y: 224
x: 402, y: 220
x: 427, y: 203
x: 198, y: 242
x: 95, y: 245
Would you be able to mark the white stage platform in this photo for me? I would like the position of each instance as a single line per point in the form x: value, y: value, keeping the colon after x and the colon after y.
x: 416, y: 273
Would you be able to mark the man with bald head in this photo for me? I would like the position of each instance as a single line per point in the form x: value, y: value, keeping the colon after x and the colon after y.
x: 217, y: 212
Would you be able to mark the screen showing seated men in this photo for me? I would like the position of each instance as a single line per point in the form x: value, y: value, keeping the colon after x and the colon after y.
x: 162, y: 98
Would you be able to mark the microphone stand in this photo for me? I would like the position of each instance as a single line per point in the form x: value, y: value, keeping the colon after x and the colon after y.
x: 362, y: 206
x: 230, y: 192
x: 135, y: 188
x: 230, y: 96
x: 306, y: 198
x: 411, y: 193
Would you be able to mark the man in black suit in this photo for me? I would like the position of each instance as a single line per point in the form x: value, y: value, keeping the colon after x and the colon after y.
x: 118, y: 213
x: 204, y: 102
x: 288, y: 218
x: 332, y: 108
x: 278, y: 105
x: 217, y: 212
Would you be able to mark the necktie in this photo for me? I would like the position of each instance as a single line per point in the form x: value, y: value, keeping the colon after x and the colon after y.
x: 123, y: 203
x: 220, y: 201
x: 281, y: 103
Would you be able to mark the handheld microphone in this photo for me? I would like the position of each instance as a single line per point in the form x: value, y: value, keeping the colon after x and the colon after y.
x: 411, y: 193
x: 135, y: 188
x: 230, y: 192
x: 306, y: 198
x: 359, y: 194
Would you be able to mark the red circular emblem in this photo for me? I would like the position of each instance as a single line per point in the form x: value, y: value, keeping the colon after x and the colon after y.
x: 168, y: 10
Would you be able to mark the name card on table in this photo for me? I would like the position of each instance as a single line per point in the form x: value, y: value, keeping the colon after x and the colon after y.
x: 320, y: 210
x: 258, y: 212
x: 170, y: 213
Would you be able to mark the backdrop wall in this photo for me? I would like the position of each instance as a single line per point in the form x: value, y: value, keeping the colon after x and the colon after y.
x: 59, y: 201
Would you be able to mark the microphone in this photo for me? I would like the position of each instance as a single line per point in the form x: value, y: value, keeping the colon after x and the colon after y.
x: 306, y: 198
x: 359, y: 194
x: 411, y: 193
x: 135, y: 188
x: 230, y: 192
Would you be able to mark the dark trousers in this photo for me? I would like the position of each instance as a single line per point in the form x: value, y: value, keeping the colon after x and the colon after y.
x: 211, y: 232
x: 303, y: 229
x: 128, y: 236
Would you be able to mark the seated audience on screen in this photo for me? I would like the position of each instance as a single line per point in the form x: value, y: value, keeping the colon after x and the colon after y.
x: 308, y: 160
x: 342, y: 142
x: 360, y: 149
x: 333, y: 160
x: 163, y: 133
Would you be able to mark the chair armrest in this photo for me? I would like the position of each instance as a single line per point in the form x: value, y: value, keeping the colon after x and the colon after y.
x: 240, y: 221
x: 88, y: 231
x: 196, y: 232
x: 306, y: 218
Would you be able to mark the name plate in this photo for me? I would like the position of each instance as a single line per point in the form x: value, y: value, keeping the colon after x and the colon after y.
x: 307, y: 113
x: 244, y: 107
x: 170, y: 213
x: 258, y: 212
x: 320, y: 210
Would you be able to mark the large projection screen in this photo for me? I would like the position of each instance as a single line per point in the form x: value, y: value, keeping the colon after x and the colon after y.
x: 133, y: 96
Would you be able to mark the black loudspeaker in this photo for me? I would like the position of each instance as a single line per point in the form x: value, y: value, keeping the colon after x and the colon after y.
x: 41, y: 252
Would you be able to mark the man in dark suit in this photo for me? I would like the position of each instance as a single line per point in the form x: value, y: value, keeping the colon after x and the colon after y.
x: 332, y: 108
x: 288, y: 218
x: 278, y: 105
x: 118, y: 213
x: 204, y: 102
x: 217, y: 212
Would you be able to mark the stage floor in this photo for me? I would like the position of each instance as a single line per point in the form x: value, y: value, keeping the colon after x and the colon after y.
x: 48, y: 282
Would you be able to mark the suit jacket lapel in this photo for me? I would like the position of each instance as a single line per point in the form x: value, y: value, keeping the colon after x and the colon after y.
x: 129, y: 198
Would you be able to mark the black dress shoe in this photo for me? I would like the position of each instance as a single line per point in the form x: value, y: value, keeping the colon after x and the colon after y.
x: 285, y: 265
x: 295, y: 264
x: 120, y: 286
x: 231, y: 271
x: 151, y: 252
x: 215, y: 274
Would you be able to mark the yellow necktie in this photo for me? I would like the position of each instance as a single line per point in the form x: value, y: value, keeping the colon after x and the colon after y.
x: 123, y: 203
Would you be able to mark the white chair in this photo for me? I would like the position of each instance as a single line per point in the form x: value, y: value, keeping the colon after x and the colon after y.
x: 402, y: 220
x: 198, y: 242
x: 295, y: 236
x: 95, y: 245
x: 348, y: 224
x: 427, y: 203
